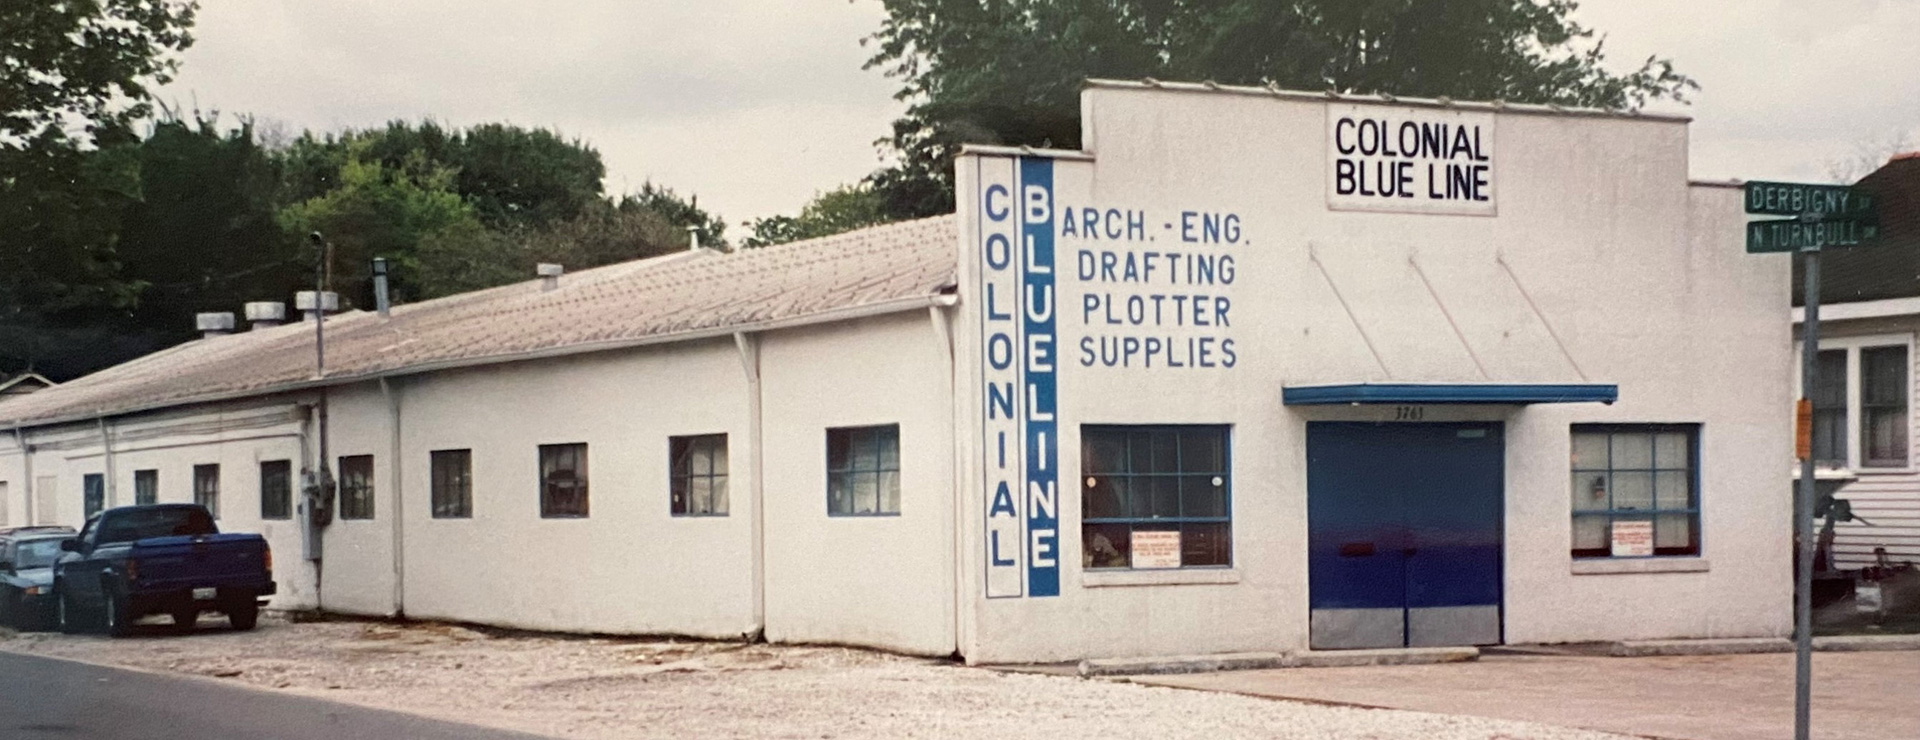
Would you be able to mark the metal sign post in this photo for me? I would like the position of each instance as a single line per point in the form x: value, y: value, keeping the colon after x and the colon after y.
x: 1819, y: 216
x: 1803, y: 514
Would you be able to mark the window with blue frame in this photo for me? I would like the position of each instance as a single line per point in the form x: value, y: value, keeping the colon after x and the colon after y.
x: 1635, y: 490
x: 93, y: 487
x: 1155, y: 497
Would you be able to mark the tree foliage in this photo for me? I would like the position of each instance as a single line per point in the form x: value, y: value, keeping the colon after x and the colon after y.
x: 845, y: 208
x: 1009, y: 71
x: 74, y: 69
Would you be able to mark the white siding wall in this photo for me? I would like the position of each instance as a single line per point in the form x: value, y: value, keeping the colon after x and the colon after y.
x: 885, y: 580
x: 1889, y: 498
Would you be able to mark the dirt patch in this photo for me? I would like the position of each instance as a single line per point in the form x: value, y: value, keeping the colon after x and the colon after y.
x: 610, y: 687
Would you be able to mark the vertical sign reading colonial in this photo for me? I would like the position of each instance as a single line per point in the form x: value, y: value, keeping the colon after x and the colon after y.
x: 1410, y: 160
x: 1020, y: 444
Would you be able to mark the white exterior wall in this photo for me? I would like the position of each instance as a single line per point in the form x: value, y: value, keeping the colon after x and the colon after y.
x: 237, y: 437
x: 1642, y: 277
x: 866, y: 580
x: 629, y: 567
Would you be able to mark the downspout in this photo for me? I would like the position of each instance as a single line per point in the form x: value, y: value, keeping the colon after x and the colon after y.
x: 750, y: 364
x: 943, y: 331
x: 106, y: 451
x: 399, y: 505
x: 26, y: 471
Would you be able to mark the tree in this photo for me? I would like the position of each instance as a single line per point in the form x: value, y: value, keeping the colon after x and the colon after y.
x: 84, y: 67
x: 74, y: 77
x: 1009, y: 71
x: 681, y: 213
x: 204, y: 234
x: 380, y: 211
x: 845, y: 208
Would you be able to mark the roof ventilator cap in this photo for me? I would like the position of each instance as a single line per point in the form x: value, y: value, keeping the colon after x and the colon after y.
x: 263, y: 314
x: 303, y: 302
x: 549, y: 275
x: 214, y: 324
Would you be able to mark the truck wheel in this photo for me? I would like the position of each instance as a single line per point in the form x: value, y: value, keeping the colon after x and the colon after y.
x: 113, y: 611
x: 65, y: 613
x: 184, y: 618
x: 244, y: 615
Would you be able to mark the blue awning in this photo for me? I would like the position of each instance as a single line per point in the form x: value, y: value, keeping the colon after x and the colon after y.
x: 1427, y: 393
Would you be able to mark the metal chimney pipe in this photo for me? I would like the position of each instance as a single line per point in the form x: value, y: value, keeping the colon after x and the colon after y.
x: 380, y: 286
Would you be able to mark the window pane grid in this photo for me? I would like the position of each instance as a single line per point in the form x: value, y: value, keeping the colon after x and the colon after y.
x: 276, y: 489
x: 1883, y: 406
x: 563, y: 481
x: 356, y: 487
x: 206, y: 488
x: 1163, y: 478
x: 452, y: 485
x: 698, y: 479
x: 1599, y: 500
x: 863, y: 471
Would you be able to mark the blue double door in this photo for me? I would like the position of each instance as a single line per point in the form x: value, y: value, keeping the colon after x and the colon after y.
x: 1404, y: 534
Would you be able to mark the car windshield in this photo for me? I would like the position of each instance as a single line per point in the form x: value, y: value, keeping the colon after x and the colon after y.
x: 36, y: 554
x: 128, y: 526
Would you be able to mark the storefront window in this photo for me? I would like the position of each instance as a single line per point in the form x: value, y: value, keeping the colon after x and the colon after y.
x: 1635, y: 490
x: 1155, y: 497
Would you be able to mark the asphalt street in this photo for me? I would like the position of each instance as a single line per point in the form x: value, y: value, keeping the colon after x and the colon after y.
x: 42, y: 698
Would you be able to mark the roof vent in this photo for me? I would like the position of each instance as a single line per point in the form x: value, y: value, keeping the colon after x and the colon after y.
x: 263, y: 314
x: 549, y: 275
x: 304, y: 303
x: 214, y: 324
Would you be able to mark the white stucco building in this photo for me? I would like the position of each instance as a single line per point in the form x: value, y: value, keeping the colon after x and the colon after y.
x: 1255, y: 371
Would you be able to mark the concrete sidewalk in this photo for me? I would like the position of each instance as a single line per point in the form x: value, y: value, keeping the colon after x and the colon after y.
x: 1857, y: 696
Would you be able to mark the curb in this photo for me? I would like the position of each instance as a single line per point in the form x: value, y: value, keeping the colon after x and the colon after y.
x: 1255, y: 661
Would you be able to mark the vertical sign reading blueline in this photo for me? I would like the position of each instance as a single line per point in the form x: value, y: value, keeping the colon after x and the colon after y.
x: 1001, y: 449
x: 1039, y: 367
x: 1410, y: 160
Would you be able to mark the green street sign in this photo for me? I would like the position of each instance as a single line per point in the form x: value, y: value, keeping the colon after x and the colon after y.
x: 1793, y: 235
x: 1801, y: 199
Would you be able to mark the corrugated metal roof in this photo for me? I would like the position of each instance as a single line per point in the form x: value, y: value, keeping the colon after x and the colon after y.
x: 670, y: 298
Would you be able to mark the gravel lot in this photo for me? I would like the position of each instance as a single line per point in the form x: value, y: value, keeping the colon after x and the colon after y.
x: 580, y: 687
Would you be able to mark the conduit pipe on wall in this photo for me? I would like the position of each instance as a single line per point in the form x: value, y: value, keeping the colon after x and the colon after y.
x: 399, y: 501
x: 26, y: 472
x: 106, y: 453
x: 943, y: 332
x: 749, y: 347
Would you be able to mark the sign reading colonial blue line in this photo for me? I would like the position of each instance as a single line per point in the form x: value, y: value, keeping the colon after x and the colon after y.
x: 1020, y: 453
x: 1039, y: 367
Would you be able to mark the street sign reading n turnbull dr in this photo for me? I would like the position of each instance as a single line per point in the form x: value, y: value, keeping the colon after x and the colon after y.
x: 1821, y: 216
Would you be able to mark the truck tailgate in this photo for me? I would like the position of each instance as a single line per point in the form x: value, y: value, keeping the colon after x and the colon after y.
x: 201, y: 561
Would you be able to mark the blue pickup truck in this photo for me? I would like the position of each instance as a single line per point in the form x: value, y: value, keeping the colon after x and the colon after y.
x: 132, y: 561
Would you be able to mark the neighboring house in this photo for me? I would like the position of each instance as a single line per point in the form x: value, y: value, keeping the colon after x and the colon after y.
x: 22, y: 384
x: 1256, y: 371
x: 1869, y: 370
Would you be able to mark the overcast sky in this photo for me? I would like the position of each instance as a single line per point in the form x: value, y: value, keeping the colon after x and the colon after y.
x: 754, y: 105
